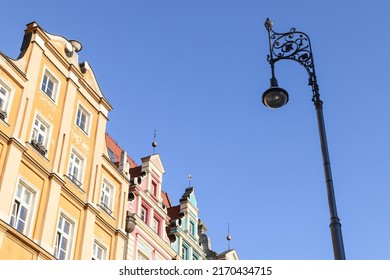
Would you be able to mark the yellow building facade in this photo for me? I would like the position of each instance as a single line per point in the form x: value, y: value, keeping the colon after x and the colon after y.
x: 61, y: 195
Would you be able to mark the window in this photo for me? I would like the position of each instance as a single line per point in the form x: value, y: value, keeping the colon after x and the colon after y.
x: 154, y: 188
x: 62, y: 245
x: 40, y: 135
x: 5, y: 95
x: 112, y: 156
x: 22, y: 208
x: 192, y: 228
x: 144, y: 214
x: 83, y: 119
x: 141, y: 256
x: 75, y: 170
x: 184, y: 252
x: 106, y: 197
x: 49, y: 85
x: 99, y: 252
x: 156, y: 225
x: 195, y: 257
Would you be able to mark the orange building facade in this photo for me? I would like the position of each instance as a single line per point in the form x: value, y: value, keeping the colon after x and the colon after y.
x: 67, y: 190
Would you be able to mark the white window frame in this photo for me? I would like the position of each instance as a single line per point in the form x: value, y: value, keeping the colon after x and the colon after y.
x: 72, y: 164
x: 88, y: 119
x: 8, y: 93
x: 25, y: 187
x: 36, y: 130
x: 141, y: 256
x: 61, y: 235
x: 56, y: 84
x: 156, y: 225
x: 144, y: 214
x: 97, y: 247
x: 185, y: 250
x: 105, y: 195
x: 191, y: 227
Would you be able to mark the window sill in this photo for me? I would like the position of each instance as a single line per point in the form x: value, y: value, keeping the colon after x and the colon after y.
x: 83, y: 131
x: 39, y: 147
x: 75, y: 182
x: 38, y: 151
x: 106, y: 210
x: 48, y: 97
x: 4, y: 121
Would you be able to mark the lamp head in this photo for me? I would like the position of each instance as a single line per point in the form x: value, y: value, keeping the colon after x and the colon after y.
x: 275, y: 97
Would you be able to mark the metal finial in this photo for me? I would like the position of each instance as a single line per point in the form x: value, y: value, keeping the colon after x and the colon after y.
x: 154, y: 143
x: 228, y: 237
x: 189, y: 180
x: 268, y: 24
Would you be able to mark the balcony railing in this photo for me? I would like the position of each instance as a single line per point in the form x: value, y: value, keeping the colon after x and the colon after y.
x: 106, y: 208
x: 39, y: 146
x: 3, y: 114
x: 74, y: 179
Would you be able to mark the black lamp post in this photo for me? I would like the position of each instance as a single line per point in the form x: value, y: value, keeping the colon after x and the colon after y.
x: 296, y: 46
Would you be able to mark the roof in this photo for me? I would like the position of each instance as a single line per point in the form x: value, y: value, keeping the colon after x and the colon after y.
x: 115, y: 151
x: 165, y: 199
x: 174, y: 212
x: 135, y: 171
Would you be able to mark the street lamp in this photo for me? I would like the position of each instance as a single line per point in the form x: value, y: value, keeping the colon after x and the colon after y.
x: 295, y: 45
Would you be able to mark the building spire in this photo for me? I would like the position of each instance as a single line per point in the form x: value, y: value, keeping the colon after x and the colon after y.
x: 189, y: 180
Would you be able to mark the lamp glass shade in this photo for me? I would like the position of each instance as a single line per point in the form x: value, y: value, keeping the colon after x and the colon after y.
x: 275, y: 97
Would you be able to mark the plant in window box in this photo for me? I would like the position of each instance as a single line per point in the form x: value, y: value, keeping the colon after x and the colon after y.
x: 39, y: 146
x: 3, y: 114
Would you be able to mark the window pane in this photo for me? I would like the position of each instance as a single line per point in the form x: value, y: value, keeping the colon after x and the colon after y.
x: 19, y: 191
x: 3, y: 98
x: 64, y: 244
x: 14, y: 214
x: 60, y: 221
x: 62, y: 255
x: 23, y: 213
x: 50, y: 87
x: 67, y: 227
x: 99, y: 254
x: 44, y: 82
x: 20, y: 226
x: 27, y: 197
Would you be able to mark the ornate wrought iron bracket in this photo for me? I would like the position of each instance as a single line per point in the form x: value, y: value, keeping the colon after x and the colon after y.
x: 292, y: 45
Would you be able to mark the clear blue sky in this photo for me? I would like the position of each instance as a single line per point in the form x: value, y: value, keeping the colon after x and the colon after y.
x: 195, y: 71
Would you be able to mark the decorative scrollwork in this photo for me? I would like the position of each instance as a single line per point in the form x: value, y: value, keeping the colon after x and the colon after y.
x: 293, y: 45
